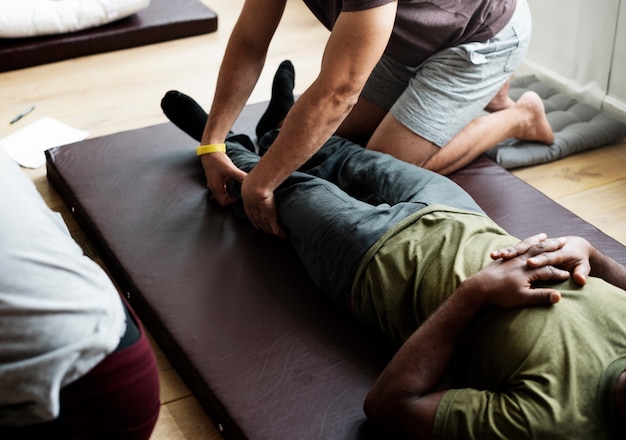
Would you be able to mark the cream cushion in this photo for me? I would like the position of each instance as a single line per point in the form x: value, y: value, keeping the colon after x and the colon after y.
x: 29, y: 18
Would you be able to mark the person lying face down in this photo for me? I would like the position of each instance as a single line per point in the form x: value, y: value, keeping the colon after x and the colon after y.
x: 498, y: 338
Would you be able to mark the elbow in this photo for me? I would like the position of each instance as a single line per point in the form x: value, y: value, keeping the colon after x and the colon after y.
x: 371, y: 407
x: 398, y: 414
x: 341, y: 95
x: 345, y: 97
x: 349, y: 94
x: 374, y: 409
x: 379, y: 408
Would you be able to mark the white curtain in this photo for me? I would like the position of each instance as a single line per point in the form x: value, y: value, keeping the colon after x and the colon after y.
x: 579, y: 46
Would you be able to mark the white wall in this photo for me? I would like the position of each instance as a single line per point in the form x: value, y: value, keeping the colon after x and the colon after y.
x: 579, y: 47
x: 616, y: 100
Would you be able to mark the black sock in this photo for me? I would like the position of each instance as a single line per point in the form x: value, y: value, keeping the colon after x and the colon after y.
x: 185, y: 113
x: 282, y: 99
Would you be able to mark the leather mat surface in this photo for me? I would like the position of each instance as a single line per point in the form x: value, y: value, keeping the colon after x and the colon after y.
x: 232, y: 308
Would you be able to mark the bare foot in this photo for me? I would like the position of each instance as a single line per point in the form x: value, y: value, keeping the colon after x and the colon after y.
x: 534, y: 124
x: 502, y: 100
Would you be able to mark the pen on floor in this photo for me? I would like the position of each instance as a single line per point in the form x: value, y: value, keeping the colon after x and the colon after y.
x: 22, y: 114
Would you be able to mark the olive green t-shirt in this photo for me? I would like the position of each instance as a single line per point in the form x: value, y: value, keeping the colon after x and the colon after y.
x: 418, y: 264
x: 536, y: 372
x: 540, y: 372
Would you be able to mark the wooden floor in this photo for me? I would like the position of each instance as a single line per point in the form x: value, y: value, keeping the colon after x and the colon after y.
x: 119, y: 91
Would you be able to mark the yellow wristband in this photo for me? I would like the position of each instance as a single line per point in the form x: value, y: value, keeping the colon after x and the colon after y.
x: 210, y: 148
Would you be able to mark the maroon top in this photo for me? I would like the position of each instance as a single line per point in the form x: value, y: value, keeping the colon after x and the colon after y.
x: 424, y: 27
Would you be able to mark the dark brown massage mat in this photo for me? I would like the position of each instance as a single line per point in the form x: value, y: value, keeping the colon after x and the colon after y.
x: 232, y: 308
x: 162, y: 20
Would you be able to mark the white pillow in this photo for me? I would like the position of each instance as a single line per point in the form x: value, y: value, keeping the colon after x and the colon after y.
x: 29, y: 18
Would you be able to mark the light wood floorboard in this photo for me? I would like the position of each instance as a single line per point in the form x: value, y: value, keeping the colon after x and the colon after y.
x: 121, y: 90
x: 591, y: 184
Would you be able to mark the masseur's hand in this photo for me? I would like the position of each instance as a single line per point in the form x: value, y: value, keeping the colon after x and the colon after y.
x: 568, y: 253
x: 260, y: 207
x: 218, y: 168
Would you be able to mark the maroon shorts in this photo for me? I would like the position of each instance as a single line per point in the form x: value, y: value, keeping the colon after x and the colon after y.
x: 118, y: 398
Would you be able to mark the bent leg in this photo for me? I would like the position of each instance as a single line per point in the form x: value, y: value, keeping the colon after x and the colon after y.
x: 502, y: 100
x: 526, y: 119
x: 331, y: 231
x: 444, y: 101
x: 378, y: 178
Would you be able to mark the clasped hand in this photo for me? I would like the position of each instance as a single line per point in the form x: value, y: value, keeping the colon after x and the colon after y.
x: 568, y: 253
x: 509, y: 280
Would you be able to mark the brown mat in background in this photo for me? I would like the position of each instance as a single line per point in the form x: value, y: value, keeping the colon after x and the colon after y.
x: 162, y: 20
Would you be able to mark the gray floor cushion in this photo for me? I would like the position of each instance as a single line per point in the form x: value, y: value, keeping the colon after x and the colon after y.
x: 577, y: 127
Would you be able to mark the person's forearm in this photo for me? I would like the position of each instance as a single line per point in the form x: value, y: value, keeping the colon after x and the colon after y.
x: 419, y: 365
x: 242, y: 64
x: 605, y: 267
x: 309, y: 124
x: 355, y: 45
x: 237, y: 78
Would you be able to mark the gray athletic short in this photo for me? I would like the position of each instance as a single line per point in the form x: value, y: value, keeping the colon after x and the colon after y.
x: 442, y: 95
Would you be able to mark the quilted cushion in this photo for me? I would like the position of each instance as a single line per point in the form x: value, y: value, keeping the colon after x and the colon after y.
x: 29, y: 18
x: 577, y: 127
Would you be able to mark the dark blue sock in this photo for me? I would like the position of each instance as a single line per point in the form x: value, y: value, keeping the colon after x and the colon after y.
x: 282, y: 99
